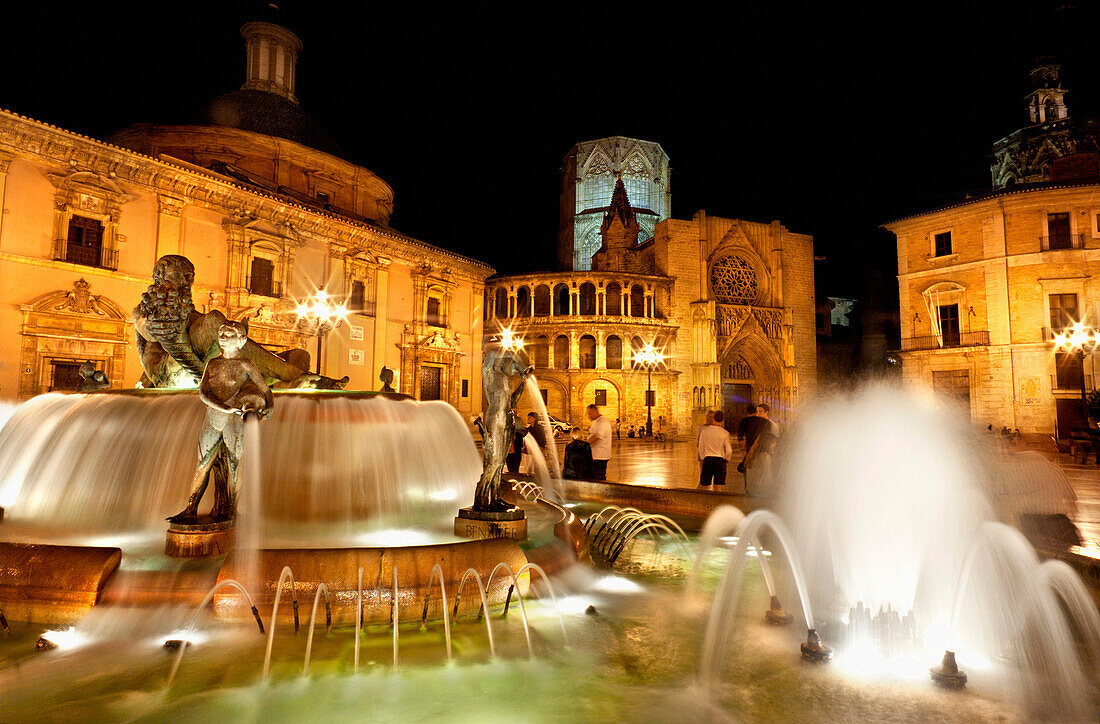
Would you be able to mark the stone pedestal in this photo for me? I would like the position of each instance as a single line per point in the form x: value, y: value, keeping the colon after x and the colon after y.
x: 511, y: 523
x: 201, y: 539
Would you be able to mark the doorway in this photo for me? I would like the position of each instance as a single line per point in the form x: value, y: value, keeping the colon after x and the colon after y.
x: 430, y: 378
x: 736, y: 398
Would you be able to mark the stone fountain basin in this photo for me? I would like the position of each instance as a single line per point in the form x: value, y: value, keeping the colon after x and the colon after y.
x: 338, y: 569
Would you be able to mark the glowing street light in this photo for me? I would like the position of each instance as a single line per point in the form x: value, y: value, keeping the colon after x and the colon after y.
x: 650, y: 357
x: 1080, y: 341
x: 322, y: 311
x: 510, y: 341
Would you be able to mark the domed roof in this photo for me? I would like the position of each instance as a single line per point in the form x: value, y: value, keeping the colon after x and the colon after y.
x: 267, y: 113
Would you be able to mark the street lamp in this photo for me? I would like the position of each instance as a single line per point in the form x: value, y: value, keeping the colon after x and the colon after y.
x: 322, y: 311
x: 1080, y: 341
x: 650, y: 357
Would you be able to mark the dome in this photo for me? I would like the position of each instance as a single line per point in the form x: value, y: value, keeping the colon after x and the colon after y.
x: 267, y: 113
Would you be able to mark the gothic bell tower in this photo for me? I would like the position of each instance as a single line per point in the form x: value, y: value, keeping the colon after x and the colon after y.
x: 619, y: 232
x: 1046, y: 102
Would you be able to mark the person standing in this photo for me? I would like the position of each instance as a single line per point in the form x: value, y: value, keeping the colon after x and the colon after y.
x: 599, y: 437
x: 618, y: 430
x: 715, y: 451
x: 578, y: 457
x: 762, y: 410
x: 743, y: 424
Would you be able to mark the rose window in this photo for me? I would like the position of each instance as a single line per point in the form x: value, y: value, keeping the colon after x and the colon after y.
x: 734, y: 281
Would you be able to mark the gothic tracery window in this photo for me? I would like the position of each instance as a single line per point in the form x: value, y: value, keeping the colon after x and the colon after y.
x: 734, y: 281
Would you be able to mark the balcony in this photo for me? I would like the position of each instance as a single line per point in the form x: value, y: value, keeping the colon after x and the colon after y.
x: 961, y: 339
x: 1062, y: 241
x: 1068, y: 379
x: 266, y: 288
x: 93, y: 256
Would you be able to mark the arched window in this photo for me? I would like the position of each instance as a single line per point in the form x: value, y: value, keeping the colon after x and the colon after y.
x: 637, y: 301
x: 588, y: 352
x: 561, y: 353
x: 502, y: 303
x: 542, y: 301
x: 523, y: 302
x: 614, y: 347
x: 614, y: 296
x: 636, y: 345
x: 588, y: 298
x: 561, y: 300
x: 540, y: 352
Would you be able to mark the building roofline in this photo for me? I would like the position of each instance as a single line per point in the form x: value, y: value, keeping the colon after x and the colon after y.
x: 289, y: 201
x: 997, y: 193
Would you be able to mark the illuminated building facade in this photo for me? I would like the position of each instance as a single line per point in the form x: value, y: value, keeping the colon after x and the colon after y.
x: 261, y: 201
x: 730, y: 303
x: 986, y: 284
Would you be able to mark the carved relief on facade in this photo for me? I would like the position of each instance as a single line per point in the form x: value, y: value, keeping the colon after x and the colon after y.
x: 771, y: 321
x: 730, y: 318
x: 733, y: 280
x: 67, y: 327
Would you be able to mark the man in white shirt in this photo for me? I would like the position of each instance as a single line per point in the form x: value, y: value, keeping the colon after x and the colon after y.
x: 599, y: 437
x: 715, y: 451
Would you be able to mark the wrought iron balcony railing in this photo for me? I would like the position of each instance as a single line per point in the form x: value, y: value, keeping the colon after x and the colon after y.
x: 1068, y: 379
x: 957, y: 339
x: 1062, y: 241
x: 100, y: 257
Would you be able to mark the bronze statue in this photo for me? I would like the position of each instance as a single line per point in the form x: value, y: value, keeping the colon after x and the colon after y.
x: 232, y: 386
x: 386, y: 378
x: 175, y: 340
x: 499, y: 428
x: 92, y: 379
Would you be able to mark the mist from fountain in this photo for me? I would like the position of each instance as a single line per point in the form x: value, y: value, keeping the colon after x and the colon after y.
x: 885, y: 499
x: 108, y: 465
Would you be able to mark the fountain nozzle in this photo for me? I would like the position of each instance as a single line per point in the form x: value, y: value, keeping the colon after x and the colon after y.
x: 256, y: 615
x: 813, y: 650
x: 947, y: 674
x: 775, y: 615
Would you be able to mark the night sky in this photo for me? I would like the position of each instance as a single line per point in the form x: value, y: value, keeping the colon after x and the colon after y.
x: 832, y: 120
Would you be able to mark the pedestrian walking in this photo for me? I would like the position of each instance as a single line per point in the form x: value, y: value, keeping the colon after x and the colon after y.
x: 715, y: 451
x: 599, y: 437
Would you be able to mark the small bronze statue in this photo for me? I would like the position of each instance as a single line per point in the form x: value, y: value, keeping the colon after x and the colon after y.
x: 92, y: 379
x: 499, y: 428
x: 386, y: 377
x: 232, y: 387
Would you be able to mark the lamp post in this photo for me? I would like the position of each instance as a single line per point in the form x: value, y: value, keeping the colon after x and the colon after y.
x: 321, y: 310
x: 650, y: 357
x: 1082, y: 342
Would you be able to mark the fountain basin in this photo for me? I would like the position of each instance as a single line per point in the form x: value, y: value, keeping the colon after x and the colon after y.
x: 53, y: 584
x: 338, y: 569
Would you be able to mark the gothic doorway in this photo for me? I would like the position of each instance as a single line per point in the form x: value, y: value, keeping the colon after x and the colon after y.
x: 736, y: 398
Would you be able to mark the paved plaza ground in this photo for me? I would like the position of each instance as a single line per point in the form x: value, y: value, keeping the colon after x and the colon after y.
x: 674, y: 465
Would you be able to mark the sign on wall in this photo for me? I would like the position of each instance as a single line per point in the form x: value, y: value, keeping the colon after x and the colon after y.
x: 356, y: 333
x: 355, y: 356
x: 1029, y: 391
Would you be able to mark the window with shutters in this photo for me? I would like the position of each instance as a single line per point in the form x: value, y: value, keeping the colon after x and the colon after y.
x: 84, y: 244
x: 262, y: 279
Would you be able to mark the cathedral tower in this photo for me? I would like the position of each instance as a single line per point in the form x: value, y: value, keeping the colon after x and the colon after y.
x: 589, y: 174
x: 619, y: 232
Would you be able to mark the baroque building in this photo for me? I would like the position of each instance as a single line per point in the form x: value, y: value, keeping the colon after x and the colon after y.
x: 985, y: 284
x: 730, y: 303
x: 261, y: 200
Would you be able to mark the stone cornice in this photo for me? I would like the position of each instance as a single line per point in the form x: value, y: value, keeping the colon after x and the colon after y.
x: 63, y: 150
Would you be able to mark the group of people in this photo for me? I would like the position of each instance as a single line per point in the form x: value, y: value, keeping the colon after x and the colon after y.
x: 585, y: 458
x: 759, y: 436
x: 636, y: 431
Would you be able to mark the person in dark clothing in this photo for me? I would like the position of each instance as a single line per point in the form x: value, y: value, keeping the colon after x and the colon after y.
x: 754, y: 426
x: 578, y: 457
x: 750, y: 411
x: 516, y: 453
x: 535, y: 428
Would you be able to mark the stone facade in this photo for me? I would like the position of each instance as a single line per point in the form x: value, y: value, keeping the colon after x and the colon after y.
x: 729, y: 302
x: 266, y: 219
x: 1010, y: 269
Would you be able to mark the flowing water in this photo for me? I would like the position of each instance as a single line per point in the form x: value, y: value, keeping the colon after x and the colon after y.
x: 332, y: 467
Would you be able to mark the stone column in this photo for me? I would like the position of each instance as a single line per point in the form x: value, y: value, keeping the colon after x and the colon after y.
x: 5, y: 165
x: 601, y: 351
x: 381, y: 296
x: 574, y: 351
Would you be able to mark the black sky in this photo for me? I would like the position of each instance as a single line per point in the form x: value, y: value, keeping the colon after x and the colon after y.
x: 831, y: 119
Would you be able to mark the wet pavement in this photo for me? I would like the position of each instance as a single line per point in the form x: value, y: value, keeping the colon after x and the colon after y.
x: 674, y: 465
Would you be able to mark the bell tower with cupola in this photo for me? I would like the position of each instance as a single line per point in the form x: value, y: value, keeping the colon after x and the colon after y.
x: 1046, y: 103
